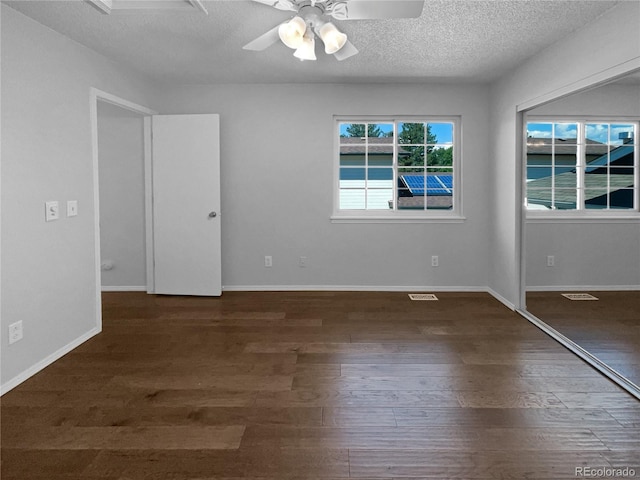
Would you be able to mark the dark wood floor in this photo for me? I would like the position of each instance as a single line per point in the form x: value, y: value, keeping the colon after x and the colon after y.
x: 316, y: 386
x: 608, y: 328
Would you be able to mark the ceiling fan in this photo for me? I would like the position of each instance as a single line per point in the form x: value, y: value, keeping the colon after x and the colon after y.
x: 313, y: 17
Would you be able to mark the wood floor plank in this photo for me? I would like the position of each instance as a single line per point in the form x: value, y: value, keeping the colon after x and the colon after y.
x: 258, y: 462
x: 201, y: 380
x: 126, y: 438
x: 478, y: 383
x: 203, y: 416
x: 465, y: 370
x: 362, y: 398
x: 499, y: 417
x: 381, y: 358
x: 597, y: 400
x: 509, y: 399
x: 431, y: 438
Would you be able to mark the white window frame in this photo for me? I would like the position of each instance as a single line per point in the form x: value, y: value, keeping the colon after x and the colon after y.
x: 582, y: 214
x: 453, y: 215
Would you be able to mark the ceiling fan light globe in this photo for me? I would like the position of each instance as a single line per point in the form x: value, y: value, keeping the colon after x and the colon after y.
x: 306, y: 51
x: 332, y: 38
x: 292, y: 32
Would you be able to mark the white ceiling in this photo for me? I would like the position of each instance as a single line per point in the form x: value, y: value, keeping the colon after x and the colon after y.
x: 453, y: 40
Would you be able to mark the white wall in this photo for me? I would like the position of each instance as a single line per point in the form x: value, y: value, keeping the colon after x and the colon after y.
x: 277, y: 168
x: 48, y: 269
x: 591, y: 253
x: 122, y: 222
x: 610, y: 44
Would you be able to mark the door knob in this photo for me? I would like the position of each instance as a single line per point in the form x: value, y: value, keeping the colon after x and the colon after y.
x: 213, y: 215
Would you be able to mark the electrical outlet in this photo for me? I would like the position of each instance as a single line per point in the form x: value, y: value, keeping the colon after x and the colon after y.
x: 268, y: 261
x: 72, y: 208
x: 15, y: 332
x: 302, y: 262
x: 435, y: 261
x: 551, y: 260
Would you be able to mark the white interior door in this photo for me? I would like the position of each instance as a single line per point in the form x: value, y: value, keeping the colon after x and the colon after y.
x: 186, y: 204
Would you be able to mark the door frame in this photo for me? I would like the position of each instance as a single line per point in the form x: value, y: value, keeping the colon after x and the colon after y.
x: 96, y: 96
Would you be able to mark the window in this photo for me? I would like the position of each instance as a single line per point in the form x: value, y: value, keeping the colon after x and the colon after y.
x: 583, y: 165
x: 397, y: 167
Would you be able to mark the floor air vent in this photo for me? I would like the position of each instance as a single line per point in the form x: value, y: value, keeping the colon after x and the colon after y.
x: 422, y: 296
x: 579, y: 296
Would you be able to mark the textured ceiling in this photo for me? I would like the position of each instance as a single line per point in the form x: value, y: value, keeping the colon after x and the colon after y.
x: 453, y: 40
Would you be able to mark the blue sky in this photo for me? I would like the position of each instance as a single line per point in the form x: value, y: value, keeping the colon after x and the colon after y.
x: 442, y: 131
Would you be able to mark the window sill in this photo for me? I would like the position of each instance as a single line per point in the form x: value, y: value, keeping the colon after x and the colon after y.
x: 396, y: 219
x: 581, y: 217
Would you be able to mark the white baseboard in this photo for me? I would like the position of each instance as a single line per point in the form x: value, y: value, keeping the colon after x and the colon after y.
x: 125, y: 288
x: 28, y: 373
x: 580, y: 288
x: 349, y: 288
x: 501, y: 299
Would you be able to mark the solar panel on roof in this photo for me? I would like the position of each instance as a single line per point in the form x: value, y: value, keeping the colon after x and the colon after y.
x: 436, y: 184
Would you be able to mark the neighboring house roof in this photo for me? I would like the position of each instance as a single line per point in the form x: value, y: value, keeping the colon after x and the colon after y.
x: 543, y: 146
x: 614, y: 157
x: 375, y: 146
x: 539, y: 191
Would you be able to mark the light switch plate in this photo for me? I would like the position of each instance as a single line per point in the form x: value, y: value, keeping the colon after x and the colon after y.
x: 72, y: 208
x: 52, y: 211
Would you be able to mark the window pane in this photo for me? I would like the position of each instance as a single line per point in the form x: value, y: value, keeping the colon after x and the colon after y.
x: 538, y: 131
x: 539, y: 152
x: 565, y: 133
x: 565, y: 199
x: 441, y: 134
x: 379, y: 198
x: 597, y: 133
x: 596, y: 154
x: 621, y: 156
x: 622, y: 198
x: 352, y: 154
x: 566, y: 180
x: 538, y: 198
x: 382, y: 175
x: 596, y: 181
x: 380, y: 132
x: 352, y: 130
x: 352, y: 199
x: 595, y: 198
x: 380, y: 155
x: 411, y: 133
x: 411, y: 156
x: 353, y: 175
x: 440, y: 155
x: 565, y: 155
x: 537, y: 173
x: 621, y: 134
x: 621, y: 177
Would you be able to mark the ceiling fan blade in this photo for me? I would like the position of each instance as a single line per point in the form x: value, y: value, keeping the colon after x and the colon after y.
x: 264, y: 41
x: 348, y: 50
x: 380, y: 9
x: 287, y: 5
